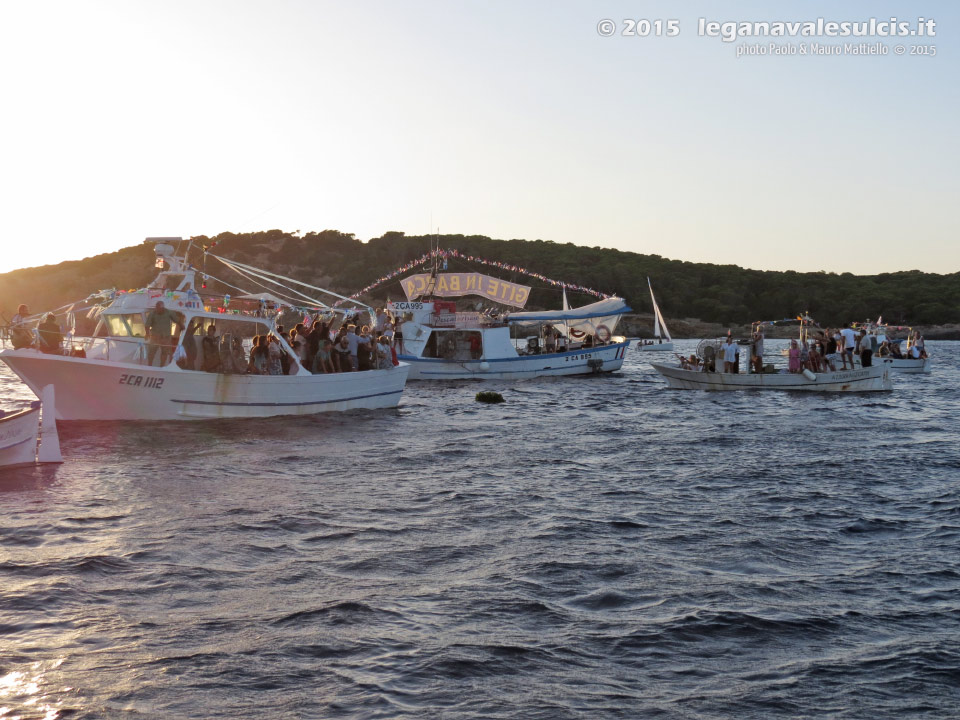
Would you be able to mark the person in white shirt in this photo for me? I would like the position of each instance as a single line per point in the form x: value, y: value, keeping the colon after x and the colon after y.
x: 381, y: 321
x: 849, y: 343
x: 729, y: 350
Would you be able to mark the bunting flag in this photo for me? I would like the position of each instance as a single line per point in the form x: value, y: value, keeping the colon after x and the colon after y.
x: 445, y: 255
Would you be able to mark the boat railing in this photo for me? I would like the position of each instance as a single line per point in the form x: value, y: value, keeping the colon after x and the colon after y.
x: 111, y: 349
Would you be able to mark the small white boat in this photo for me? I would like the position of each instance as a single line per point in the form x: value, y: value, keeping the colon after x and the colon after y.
x: 111, y: 376
x: 30, y: 436
x: 906, y: 363
x: 441, y: 343
x: 871, y: 379
x: 659, y: 324
x: 700, y: 372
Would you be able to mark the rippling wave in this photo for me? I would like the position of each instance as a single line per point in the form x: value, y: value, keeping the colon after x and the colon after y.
x: 593, y: 547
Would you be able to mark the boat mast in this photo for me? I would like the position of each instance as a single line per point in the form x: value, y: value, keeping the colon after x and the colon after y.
x: 432, y: 281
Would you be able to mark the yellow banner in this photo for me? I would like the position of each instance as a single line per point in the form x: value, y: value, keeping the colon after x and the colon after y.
x: 457, y: 284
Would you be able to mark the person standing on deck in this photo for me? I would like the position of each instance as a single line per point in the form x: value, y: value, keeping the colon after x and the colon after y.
x: 729, y: 349
x: 159, y: 326
x: 758, y: 351
x: 866, y: 349
x: 849, y: 343
x: 211, y: 350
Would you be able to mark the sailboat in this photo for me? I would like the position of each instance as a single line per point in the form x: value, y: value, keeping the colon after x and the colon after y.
x: 662, y: 340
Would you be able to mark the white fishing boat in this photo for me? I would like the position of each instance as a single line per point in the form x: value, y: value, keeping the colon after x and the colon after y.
x: 909, y: 354
x: 705, y: 371
x: 904, y: 365
x: 869, y: 379
x: 112, y: 375
x: 441, y: 342
x: 660, y: 330
x: 30, y: 436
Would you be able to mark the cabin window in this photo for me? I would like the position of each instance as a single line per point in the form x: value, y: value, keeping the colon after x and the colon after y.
x: 457, y: 345
x: 127, y: 325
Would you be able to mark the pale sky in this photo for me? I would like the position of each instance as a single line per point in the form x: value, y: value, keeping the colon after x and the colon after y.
x: 125, y: 119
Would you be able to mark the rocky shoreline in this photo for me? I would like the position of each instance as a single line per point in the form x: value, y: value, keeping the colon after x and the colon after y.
x: 641, y: 325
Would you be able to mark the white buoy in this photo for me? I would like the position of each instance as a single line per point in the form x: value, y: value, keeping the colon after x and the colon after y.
x: 49, y: 451
x: 809, y: 374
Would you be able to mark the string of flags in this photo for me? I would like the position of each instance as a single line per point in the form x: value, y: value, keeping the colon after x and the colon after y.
x: 446, y: 254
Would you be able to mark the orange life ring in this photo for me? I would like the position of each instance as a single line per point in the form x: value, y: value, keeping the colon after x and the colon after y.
x: 606, y: 332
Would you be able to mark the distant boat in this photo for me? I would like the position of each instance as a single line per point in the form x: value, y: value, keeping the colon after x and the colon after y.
x: 902, y: 365
x: 871, y: 379
x: 30, y: 436
x: 660, y: 330
x: 441, y: 342
x: 703, y: 372
x: 905, y: 363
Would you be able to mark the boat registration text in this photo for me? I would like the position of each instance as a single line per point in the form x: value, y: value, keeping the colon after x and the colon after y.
x: 142, y: 381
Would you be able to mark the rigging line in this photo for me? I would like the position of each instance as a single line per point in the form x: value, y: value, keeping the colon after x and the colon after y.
x: 224, y: 282
x: 244, y: 290
x: 281, y: 295
x: 287, y: 279
x: 250, y: 275
x: 56, y: 311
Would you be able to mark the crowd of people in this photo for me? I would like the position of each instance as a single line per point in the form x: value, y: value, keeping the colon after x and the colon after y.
x: 320, y: 344
x: 48, y: 337
x: 834, y: 349
x: 316, y: 345
x: 827, y: 350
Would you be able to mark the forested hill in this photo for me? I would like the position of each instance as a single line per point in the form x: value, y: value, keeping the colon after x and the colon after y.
x: 724, y: 294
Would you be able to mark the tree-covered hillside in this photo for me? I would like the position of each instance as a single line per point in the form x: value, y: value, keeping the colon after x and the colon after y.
x: 724, y: 294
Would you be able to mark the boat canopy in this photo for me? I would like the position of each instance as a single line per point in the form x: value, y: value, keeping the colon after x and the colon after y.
x: 603, y: 308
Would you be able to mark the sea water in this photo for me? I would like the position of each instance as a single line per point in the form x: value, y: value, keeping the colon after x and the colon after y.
x: 593, y: 547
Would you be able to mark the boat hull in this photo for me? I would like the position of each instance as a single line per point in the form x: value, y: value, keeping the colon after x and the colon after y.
x: 604, y: 359
x: 18, y: 437
x: 97, y: 390
x: 903, y: 365
x: 871, y: 379
x: 656, y: 347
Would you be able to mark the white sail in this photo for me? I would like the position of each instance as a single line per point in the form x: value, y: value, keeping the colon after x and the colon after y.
x: 658, y: 321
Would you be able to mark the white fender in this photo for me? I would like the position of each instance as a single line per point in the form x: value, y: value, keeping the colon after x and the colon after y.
x: 809, y: 374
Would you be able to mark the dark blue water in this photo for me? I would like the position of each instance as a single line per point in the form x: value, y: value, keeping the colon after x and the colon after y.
x: 592, y: 548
